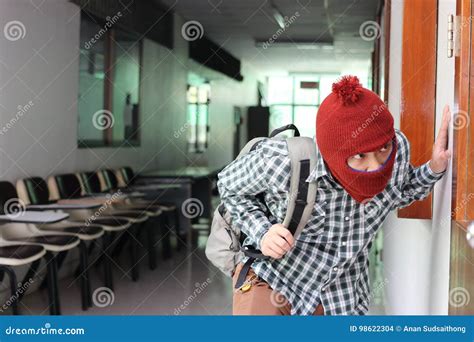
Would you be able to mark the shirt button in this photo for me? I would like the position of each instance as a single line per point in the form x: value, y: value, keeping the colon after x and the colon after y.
x: 346, y: 218
x: 323, y: 289
x: 335, y: 269
x: 344, y: 243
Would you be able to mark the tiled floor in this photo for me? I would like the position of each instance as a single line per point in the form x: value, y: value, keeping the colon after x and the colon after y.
x: 182, y: 285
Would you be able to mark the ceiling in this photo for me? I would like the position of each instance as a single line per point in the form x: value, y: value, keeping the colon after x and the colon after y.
x: 237, y: 25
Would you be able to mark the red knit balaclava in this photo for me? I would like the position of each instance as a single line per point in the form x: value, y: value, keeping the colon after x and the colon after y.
x: 353, y: 120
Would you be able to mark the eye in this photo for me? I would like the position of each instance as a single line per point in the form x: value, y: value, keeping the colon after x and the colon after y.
x: 358, y: 156
x: 385, y: 147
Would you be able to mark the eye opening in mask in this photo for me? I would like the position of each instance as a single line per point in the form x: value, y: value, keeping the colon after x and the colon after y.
x: 358, y: 162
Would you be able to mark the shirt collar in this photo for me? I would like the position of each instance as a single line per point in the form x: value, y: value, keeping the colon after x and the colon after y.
x: 319, y: 170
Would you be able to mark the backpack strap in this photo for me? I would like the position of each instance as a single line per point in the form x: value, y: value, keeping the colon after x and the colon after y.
x: 302, y: 195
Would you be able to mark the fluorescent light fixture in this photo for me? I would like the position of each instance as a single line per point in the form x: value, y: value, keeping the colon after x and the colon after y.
x: 278, y: 16
x: 300, y: 45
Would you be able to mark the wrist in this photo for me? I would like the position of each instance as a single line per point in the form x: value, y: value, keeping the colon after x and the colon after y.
x: 262, y: 239
x: 434, y: 168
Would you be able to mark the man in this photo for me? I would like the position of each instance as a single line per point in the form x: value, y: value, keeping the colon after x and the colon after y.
x: 363, y: 172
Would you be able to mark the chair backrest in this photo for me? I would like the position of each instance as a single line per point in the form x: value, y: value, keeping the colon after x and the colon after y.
x: 121, y: 180
x: 33, y: 190
x: 8, y: 198
x: 68, y: 186
x: 110, y: 180
x: 128, y: 175
x: 90, y: 182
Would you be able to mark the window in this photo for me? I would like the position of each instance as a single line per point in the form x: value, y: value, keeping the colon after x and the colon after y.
x: 296, y: 98
x: 109, y: 84
x: 198, y: 98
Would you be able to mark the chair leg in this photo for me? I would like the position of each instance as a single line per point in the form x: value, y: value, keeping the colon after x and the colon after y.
x: 165, y: 235
x: 151, y: 239
x: 84, y: 276
x: 88, y: 282
x: 59, y: 259
x: 30, y: 274
x: 133, y: 252
x: 109, y: 281
x: 52, y: 284
x: 179, y: 239
x: 13, y: 287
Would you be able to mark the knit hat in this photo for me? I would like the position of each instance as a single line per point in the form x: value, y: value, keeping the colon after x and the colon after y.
x: 353, y: 120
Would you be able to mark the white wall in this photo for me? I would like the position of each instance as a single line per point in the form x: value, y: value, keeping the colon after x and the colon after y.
x: 44, y: 140
x: 416, y: 252
x: 41, y: 71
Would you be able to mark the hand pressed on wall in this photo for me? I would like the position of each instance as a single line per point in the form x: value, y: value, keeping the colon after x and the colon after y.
x: 441, y: 154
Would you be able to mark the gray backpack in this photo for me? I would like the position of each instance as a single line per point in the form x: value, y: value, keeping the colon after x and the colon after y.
x: 224, y: 245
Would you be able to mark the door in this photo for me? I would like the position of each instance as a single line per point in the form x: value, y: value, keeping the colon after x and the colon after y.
x: 461, y: 283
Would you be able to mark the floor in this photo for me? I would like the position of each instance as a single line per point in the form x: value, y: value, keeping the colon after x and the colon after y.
x: 185, y: 284
x: 182, y: 285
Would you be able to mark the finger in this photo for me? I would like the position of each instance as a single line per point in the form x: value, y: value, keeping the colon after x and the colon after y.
x: 283, y: 244
x: 442, y: 138
x: 275, y: 246
x: 274, y: 253
x: 286, y: 234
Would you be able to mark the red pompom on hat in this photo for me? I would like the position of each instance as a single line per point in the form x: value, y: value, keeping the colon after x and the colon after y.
x: 348, y: 89
x: 353, y: 120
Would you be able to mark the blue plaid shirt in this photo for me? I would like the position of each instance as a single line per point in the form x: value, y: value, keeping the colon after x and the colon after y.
x: 329, y: 261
